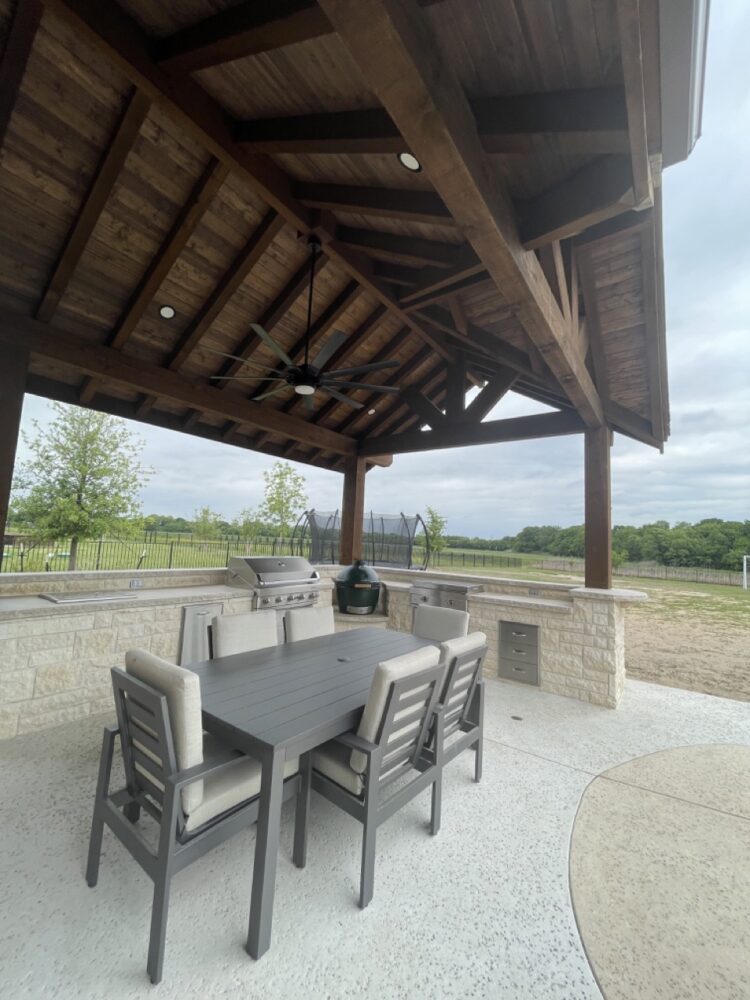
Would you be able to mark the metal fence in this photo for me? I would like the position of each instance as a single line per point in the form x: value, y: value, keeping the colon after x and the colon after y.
x: 172, y: 551
x: 654, y: 571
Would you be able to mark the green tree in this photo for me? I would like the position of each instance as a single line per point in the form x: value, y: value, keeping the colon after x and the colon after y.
x: 83, y: 478
x: 436, y: 530
x: 206, y: 523
x: 248, y: 525
x: 284, y: 497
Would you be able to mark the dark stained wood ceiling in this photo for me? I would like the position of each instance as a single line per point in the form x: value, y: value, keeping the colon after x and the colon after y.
x: 180, y: 154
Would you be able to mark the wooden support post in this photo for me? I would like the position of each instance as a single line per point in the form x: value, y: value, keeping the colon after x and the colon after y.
x: 352, y: 510
x: 12, y: 386
x: 598, y: 531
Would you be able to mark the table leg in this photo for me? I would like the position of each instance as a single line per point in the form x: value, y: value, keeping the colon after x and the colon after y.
x: 266, y: 854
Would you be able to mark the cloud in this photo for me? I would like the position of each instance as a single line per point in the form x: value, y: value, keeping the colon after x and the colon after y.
x: 494, y: 490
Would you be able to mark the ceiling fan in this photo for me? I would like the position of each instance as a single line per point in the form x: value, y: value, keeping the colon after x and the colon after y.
x: 307, y: 378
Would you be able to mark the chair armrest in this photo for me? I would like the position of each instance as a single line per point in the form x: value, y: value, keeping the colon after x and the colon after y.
x: 212, y: 766
x: 355, y: 742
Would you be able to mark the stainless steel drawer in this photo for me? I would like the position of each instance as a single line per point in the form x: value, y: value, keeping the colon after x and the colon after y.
x: 517, y: 651
x: 525, y: 673
x: 519, y: 633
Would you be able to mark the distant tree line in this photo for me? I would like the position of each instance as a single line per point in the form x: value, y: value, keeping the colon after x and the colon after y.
x: 711, y: 543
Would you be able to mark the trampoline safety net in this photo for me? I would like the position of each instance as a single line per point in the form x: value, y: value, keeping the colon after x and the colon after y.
x: 387, y: 539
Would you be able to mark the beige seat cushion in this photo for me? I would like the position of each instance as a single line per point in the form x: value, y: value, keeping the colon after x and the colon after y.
x: 385, y: 673
x: 334, y: 761
x: 439, y: 624
x: 242, y: 633
x: 226, y: 789
x: 307, y: 623
x: 474, y: 642
x: 183, y: 693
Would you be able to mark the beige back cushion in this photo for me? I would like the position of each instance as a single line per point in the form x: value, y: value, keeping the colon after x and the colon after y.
x: 183, y: 693
x: 385, y: 673
x: 306, y: 623
x: 439, y: 624
x: 242, y: 633
x: 451, y: 648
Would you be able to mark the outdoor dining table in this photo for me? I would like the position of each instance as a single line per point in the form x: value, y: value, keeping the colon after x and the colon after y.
x: 279, y: 703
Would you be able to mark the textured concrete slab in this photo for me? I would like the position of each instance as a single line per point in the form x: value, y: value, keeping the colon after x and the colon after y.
x: 481, y: 911
x: 660, y: 876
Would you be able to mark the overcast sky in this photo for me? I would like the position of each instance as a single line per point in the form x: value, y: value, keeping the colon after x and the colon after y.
x: 495, y: 490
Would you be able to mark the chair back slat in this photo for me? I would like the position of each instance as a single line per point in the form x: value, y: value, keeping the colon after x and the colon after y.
x: 145, y: 735
x: 464, y: 671
x: 406, y: 720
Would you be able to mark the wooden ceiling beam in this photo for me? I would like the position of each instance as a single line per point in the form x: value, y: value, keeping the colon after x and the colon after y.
x: 111, y: 31
x: 410, y: 250
x: 490, y: 396
x: 461, y: 435
x: 619, y: 226
x: 162, y: 263
x: 240, y: 268
x: 387, y: 203
x: 631, y: 56
x: 600, y: 190
x: 272, y: 315
x: 100, y: 189
x: 424, y: 408
x: 396, y: 53
x: 19, y: 40
x: 587, y: 121
x: 66, y: 393
x: 330, y: 315
x: 246, y: 29
x: 136, y: 375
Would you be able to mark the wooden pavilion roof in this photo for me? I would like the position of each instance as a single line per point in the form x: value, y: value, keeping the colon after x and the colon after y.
x: 181, y: 153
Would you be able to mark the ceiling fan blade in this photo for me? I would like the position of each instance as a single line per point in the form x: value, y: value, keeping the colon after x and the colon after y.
x: 375, y: 366
x: 271, y: 392
x: 342, y: 398
x: 234, y: 357
x: 271, y: 343
x: 330, y: 347
x: 362, y: 385
x: 309, y: 404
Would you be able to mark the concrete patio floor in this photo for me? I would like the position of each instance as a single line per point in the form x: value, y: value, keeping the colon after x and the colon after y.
x: 483, y: 910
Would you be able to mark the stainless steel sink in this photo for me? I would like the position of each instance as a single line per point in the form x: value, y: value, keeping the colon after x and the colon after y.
x: 92, y: 597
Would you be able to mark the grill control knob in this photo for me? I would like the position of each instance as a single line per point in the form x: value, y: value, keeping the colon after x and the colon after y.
x: 265, y: 601
x: 312, y: 596
x: 277, y: 600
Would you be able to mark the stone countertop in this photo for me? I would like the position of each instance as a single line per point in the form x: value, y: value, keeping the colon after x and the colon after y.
x: 519, y: 601
x: 33, y: 606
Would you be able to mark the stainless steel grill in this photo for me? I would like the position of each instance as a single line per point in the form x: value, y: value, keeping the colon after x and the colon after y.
x: 277, y: 582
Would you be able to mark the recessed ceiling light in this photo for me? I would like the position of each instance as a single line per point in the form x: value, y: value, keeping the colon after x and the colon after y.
x: 409, y: 162
x: 166, y: 312
x: 370, y: 412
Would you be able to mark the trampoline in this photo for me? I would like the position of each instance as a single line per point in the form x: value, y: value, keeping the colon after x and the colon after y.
x: 387, y: 539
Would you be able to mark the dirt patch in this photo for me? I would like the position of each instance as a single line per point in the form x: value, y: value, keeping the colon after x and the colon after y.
x: 696, y: 639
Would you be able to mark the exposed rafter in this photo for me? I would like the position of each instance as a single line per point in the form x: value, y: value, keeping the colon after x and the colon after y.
x: 456, y: 435
x: 388, y: 203
x: 161, y: 264
x: 579, y: 121
x: 93, y: 204
x: 133, y: 374
x: 409, y: 250
x: 246, y: 29
x: 400, y: 60
x: 15, y: 53
x: 629, y: 24
x: 490, y: 395
x: 424, y: 408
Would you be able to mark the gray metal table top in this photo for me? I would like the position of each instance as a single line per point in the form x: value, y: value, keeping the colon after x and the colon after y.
x: 297, y: 695
x: 283, y: 701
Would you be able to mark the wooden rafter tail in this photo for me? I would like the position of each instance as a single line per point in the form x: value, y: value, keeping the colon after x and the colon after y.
x: 400, y: 60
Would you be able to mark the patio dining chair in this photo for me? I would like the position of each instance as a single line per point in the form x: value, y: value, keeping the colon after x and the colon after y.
x: 307, y: 623
x: 231, y: 634
x: 462, y: 700
x: 198, y: 791
x: 439, y: 624
x: 357, y: 771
